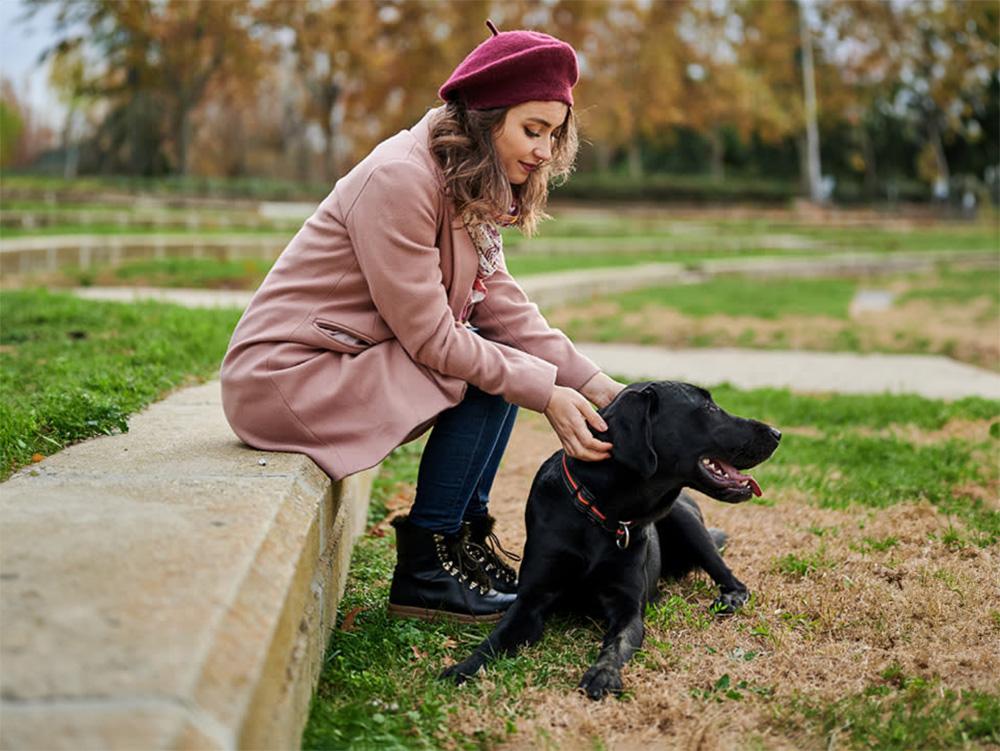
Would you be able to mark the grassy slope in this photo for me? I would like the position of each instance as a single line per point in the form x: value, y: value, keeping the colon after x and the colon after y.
x: 71, y: 369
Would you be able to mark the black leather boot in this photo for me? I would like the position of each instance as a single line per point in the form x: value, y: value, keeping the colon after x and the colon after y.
x: 435, y: 577
x: 485, y: 547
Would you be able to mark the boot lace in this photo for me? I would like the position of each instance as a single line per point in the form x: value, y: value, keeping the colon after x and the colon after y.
x: 487, y: 555
x: 456, y: 560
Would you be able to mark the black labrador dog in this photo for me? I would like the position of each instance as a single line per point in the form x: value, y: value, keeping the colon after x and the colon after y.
x: 601, y: 534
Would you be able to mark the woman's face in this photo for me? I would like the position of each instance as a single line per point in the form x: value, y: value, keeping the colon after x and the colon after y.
x: 524, y: 141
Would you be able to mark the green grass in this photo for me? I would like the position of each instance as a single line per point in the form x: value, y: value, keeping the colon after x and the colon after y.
x: 620, y: 256
x: 782, y: 408
x: 800, y: 566
x: 124, y: 229
x: 609, y: 224
x: 904, y: 713
x: 71, y: 369
x: 844, y: 467
x: 959, y: 286
x: 246, y: 273
x: 768, y: 300
x: 881, y: 545
x: 261, y: 188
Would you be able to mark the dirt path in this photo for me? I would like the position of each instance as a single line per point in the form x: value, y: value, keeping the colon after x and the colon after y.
x: 919, y: 608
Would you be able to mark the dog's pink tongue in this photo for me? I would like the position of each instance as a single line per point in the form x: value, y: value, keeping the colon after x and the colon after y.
x: 735, y: 474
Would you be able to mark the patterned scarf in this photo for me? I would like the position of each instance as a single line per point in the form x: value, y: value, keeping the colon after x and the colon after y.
x: 488, y: 242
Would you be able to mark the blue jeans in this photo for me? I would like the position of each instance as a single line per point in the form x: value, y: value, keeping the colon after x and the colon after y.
x: 460, y: 461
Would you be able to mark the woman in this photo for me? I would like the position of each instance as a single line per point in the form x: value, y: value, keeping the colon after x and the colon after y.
x: 391, y: 311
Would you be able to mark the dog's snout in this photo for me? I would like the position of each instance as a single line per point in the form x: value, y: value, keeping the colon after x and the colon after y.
x: 775, y: 433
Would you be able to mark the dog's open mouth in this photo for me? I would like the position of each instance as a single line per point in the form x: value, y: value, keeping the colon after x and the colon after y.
x: 725, y: 477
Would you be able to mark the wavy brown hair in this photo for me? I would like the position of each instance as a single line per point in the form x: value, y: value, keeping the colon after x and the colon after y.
x: 462, y: 142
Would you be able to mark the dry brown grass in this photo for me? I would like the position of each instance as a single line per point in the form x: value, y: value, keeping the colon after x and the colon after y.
x: 920, y: 604
x: 966, y: 331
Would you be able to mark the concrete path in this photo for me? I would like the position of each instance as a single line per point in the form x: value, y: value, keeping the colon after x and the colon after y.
x: 805, y: 372
x: 189, y: 298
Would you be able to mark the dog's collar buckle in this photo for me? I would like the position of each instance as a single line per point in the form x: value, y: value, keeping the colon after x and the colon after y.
x: 622, y: 535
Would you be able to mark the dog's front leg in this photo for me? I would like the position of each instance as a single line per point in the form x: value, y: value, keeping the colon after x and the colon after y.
x: 522, y: 625
x: 624, y: 637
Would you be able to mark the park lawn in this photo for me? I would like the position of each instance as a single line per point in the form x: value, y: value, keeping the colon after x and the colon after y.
x: 950, y: 311
x: 668, y: 224
x: 111, y: 228
x: 870, y: 627
x: 71, y: 369
x: 248, y: 273
x: 117, y: 207
x: 86, y: 188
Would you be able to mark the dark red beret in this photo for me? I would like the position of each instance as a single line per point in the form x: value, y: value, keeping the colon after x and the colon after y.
x: 513, y: 67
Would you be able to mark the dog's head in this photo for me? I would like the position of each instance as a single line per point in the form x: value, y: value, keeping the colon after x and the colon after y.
x: 667, y: 430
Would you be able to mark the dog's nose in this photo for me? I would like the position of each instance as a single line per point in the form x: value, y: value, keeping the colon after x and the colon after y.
x: 775, y: 433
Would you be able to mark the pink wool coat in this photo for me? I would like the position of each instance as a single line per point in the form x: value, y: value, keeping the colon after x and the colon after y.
x: 385, y: 260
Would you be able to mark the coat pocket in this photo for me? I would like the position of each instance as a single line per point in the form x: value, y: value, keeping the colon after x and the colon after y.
x: 343, y: 338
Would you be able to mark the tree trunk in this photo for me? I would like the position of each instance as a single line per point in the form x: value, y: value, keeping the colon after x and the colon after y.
x: 634, y: 160
x: 602, y: 156
x: 812, y: 130
x: 802, y: 149
x: 718, y: 166
x: 940, y: 159
x: 183, y: 132
x: 71, y: 152
x: 331, y: 122
x: 871, y: 175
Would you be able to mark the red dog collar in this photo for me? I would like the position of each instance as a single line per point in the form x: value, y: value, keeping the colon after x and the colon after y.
x: 585, y: 503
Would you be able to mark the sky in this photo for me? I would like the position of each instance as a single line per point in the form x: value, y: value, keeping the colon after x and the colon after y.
x: 20, y: 45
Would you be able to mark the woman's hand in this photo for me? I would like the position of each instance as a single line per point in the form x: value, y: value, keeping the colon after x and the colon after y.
x: 569, y: 413
x: 601, y: 389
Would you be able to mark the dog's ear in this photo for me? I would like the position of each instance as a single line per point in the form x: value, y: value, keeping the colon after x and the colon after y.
x: 630, y: 430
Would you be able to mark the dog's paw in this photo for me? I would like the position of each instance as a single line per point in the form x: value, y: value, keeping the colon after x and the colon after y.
x: 460, y: 672
x: 728, y: 603
x: 599, y: 681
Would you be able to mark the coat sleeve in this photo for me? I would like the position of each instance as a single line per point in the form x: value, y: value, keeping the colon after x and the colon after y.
x: 508, y: 316
x: 392, y: 223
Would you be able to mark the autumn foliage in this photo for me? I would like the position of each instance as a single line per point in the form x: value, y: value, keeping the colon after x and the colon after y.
x: 303, y: 89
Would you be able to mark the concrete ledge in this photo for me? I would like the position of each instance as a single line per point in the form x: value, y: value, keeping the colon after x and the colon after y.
x: 163, y: 589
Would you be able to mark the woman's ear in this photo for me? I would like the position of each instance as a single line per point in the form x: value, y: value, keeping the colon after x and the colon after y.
x: 630, y: 430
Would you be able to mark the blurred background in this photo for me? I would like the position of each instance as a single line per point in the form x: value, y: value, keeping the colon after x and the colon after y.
x: 708, y: 101
x: 809, y: 175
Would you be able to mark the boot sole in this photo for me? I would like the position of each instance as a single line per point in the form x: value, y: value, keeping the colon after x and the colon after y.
x: 425, y: 614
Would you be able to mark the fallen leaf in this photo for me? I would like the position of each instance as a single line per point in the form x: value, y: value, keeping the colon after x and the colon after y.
x: 348, y: 624
x: 449, y: 643
x: 417, y: 654
x: 37, y: 457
